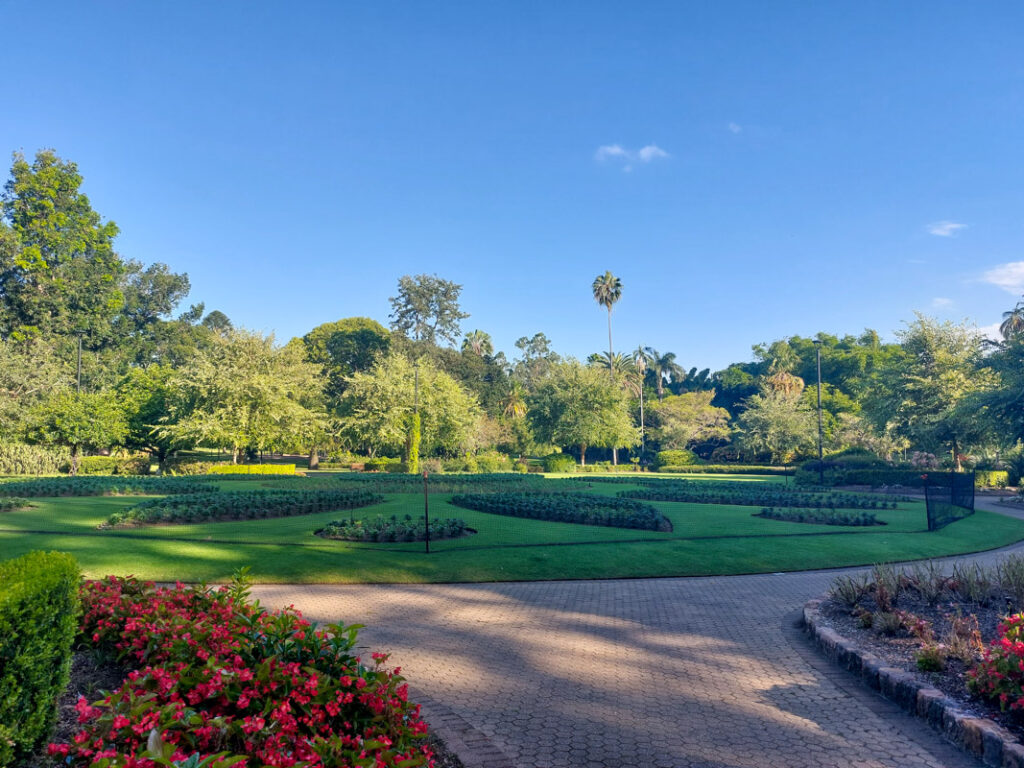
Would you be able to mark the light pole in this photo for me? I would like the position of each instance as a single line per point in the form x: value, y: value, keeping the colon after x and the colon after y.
x: 821, y: 460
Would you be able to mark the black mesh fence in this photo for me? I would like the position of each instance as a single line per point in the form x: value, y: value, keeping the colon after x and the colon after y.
x: 949, y: 496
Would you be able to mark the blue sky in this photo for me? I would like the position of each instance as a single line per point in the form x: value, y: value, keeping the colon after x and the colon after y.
x: 750, y: 170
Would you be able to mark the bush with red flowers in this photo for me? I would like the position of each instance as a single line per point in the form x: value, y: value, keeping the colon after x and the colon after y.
x: 219, y: 682
x: 1000, y: 673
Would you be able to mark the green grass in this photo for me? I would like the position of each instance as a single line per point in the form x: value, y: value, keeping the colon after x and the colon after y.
x: 706, y: 540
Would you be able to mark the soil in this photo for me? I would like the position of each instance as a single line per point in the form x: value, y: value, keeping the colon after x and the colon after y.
x: 91, y: 675
x: 899, y: 650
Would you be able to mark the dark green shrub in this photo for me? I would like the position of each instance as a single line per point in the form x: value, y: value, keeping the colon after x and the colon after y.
x: 188, y: 467
x: 379, y: 465
x: 24, y: 459
x: 100, y: 486
x: 39, y: 609
x: 112, y: 465
x: 584, y: 509
x: 753, y: 494
x: 393, y: 529
x: 675, y: 458
x: 991, y: 478
x: 559, y: 462
x: 729, y: 469
x: 7, y: 504
x: 820, y: 516
x: 397, y: 468
x: 490, y: 462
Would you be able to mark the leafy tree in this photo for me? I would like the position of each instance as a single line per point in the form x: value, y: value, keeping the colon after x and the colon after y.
x: 664, y: 367
x: 217, y: 321
x: 535, y: 360
x: 345, y: 347
x: 143, y: 394
x: 77, y: 421
x: 919, y: 398
x: 479, y: 343
x: 376, y: 406
x: 777, y: 422
x: 59, y: 273
x: 30, y: 371
x: 428, y: 307
x: 244, y: 392
x: 1013, y: 322
x: 682, y: 421
x: 1002, y: 404
x: 579, y: 406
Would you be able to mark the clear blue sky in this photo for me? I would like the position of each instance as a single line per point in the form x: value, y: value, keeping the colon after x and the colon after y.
x: 750, y: 170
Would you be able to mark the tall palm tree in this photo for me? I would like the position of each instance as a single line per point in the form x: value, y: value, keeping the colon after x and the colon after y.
x: 608, y: 290
x: 1013, y: 322
x: 514, y: 406
x: 620, y: 364
x: 664, y: 366
x: 478, y: 342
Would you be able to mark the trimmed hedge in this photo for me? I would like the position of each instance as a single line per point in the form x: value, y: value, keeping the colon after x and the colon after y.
x: 729, y: 469
x: 12, y: 502
x: 100, y: 486
x: 675, y: 458
x: 241, y: 505
x: 252, y: 469
x: 392, y: 529
x: 820, y: 516
x: 559, y: 462
x: 578, y: 508
x: 39, y: 609
x: 379, y: 465
x: 910, y: 478
x: 111, y: 465
x: 752, y: 494
x: 991, y: 478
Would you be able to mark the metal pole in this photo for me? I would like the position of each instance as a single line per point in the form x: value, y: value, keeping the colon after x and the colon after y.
x: 79, y: 363
x: 426, y: 512
x: 821, y: 460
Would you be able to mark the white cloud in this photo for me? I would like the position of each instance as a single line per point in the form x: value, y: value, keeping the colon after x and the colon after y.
x: 734, y: 128
x: 940, y: 302
x: 991, y: 332
x: 945, y: 228
x: 1009, y: 277
x: 630, y: 156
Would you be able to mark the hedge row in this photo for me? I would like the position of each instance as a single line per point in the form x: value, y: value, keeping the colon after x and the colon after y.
x: 12, y: 502
x: 39, y: 609
x: 99, y: 486
x: 757, y: 494
x: 24, y: 459
x: 820, y: 516
x: 241, y: 505
x: 112, y: 465
x: 728, y: 469
x: 579, y: 508
x: 392, y: 529
x: 910, y: 478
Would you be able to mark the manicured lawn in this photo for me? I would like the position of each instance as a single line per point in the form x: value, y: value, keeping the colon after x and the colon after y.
x: 706, y: 540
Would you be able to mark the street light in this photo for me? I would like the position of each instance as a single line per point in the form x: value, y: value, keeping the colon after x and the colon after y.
x: 821, y: 460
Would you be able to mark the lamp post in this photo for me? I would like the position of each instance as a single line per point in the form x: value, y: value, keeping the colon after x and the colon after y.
x: 821, y: 461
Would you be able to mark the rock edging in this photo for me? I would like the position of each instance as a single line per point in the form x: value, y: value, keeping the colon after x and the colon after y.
x: 985, y: 740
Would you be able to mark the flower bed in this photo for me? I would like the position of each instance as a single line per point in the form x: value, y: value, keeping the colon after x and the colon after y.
x: 99, y: 486
x: 820, y: 516
x: 568, y: 508
x: 240, y: 505
x: 393, y: 529
x: 220, y: 680
x: 760, y: 496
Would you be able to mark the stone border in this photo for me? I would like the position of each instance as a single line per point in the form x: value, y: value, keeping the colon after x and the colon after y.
x: 981, y: 738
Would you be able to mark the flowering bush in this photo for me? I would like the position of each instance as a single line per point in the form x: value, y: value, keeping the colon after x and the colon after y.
x: 221, y: 682
x: 1000, y: 673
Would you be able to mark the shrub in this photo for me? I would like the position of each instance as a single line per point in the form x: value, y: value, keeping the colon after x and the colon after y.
x: 100, y: 486
x: 24, y: 459
x: 492, y: 461
x: 849, y: 590
x: 931, y: 658
x: 887, y: 623
x: 559, y: 462
x: 991, y: 478
x: 13, y: 502
x: 188, y: 467
x: 819, y: 516
x: 39, y: 610
x: 397, y: 468
x: 392, y: 529
x: 242, y: 505
x: 729, y: 469
x: 579, y: 508
x: 379, y: 464
x: 1000, y: 673
x: 431, y: 466
x: 252, y: 469
x: 754, y: 494
x: 112, y: 465
x: 266, y: 687
x: 675, y: 458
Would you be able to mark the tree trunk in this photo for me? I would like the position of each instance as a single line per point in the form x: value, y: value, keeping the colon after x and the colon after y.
x: 611, y: 374
x: 583, y: 455
x: 234, y: 454
x: 314, y: 458
x: 74, y: 460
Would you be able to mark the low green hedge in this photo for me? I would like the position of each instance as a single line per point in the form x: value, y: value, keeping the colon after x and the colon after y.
x: 380, y: 465
x: 728, y: 469
x: 100, y: 486
x: 991, y: 478
x: 820, y: 516
x: 39, y: 609
x: 392, y: 529
x: 584, y: 509
x: 24, y: 459
x: 252, y: 469
x: 908, y: 478
x: 675, y: 458
x: 559, y: 462
x: 12, y: 502
x: 111, y: 465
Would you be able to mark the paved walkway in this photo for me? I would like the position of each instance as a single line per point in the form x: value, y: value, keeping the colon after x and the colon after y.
x: 673, y: 673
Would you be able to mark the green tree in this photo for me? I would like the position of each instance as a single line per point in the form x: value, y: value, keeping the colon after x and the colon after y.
x: 664, y: 367
x: 919, y: 399
x: 144, y: 394
x: 217, y: 321
x: 777, y: 422
x: 427, y: 308
x: 30, y: 371
x: 345, y: 347
x: 59, y: 273
x: 682, y: 421
x: 1013, y: 322
x: 535, y: 359
x: 244, y: 392
x: 478, y: 342
x: 377, y: 404
x: 580, y: 406
x: 77, y: 421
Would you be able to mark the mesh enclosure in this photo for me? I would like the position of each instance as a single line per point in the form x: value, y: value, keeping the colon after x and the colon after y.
x: 949, y: 496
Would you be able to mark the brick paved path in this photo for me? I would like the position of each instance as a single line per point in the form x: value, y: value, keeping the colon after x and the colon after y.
x: 702, y: 672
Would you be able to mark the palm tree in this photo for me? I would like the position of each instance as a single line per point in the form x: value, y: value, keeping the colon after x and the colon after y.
x: 608, y: 290
x: 515, y: 403
x: 664, y: 366
x: 1013, y: 322
x: 478, y: 342
x: 620, y: 364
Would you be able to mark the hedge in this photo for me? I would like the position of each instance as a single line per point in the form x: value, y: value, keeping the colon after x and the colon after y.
x: 39, y: 609
x: 729, y: 469
x: 111, y: 465
x: 559, y: 462
x: 910, y: 478
x: 991, y: 478
x: 583, y: 509
x: 24, y: 459
x: 252, y: 469
x: 100, y: 486
x: 675, y: 458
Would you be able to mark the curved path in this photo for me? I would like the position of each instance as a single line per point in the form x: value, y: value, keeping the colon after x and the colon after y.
x: 701, y: 672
